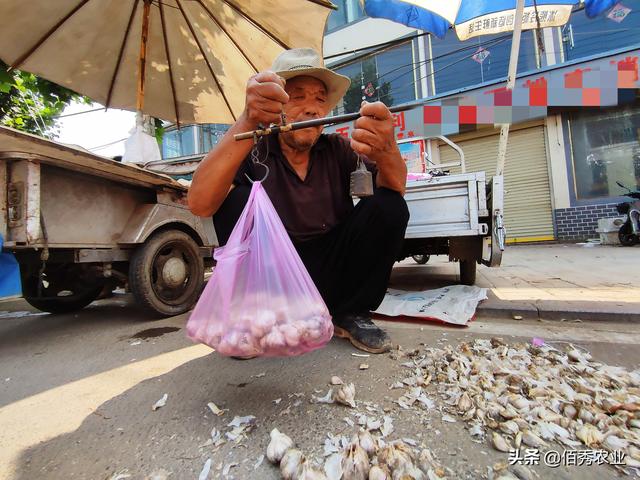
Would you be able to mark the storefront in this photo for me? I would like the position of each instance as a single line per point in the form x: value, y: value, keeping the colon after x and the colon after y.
x: 528, y: 200
x: 602, y: 148
x: 574, y: 135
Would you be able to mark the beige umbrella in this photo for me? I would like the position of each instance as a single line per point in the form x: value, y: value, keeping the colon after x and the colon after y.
x: 185, y: 61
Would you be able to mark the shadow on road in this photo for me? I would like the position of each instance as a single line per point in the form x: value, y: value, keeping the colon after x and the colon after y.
x: 81, y: 344
x: 125, y: 435
x: 124, y: 432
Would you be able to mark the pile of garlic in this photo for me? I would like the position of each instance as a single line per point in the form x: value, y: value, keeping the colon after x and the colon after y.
x: 365, y: 457
x: 528, y: 396
x: 278, y: 327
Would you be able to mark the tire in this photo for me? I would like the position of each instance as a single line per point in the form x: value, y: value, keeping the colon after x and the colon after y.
x: 420, y: 259
x: 468, y: 272
x: 64, y: 304
x: 626, y: 236
x: 167, y: 289
x: 65, y: 289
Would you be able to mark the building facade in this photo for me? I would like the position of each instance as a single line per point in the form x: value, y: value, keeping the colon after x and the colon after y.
x: 571, y: 141
x: 564, y: 156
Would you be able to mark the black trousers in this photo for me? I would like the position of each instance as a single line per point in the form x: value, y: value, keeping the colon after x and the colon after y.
x: 351, y: 264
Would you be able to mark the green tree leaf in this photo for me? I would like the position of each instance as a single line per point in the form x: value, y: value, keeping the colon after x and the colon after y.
x: 32, y: 104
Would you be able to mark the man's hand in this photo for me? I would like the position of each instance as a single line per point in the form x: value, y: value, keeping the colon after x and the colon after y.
x: 264, y: 99
x: 374, y: 137
x: 374, y: 134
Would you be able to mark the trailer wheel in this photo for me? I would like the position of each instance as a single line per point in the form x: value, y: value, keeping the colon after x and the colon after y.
x: 468, y: 272
x: 166, y: 274
x: 420, y: 259
x: 64, y: 289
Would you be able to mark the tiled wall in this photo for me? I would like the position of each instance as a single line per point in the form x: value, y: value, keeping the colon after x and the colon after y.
x: 580, y: 223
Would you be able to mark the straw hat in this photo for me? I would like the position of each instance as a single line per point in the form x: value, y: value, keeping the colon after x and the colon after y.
x: 306, y: 61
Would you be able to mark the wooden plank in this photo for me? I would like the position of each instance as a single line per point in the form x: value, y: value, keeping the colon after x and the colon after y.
x: 23, y: 145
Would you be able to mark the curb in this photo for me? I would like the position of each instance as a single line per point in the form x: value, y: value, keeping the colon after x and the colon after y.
x: 533, y: 312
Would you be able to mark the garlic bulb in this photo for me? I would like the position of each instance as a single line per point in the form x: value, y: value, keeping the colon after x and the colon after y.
x: 333, y: 466
x: 426, y: 461
x: 585, y: 415
x: 263, y: 323
x: 499, y: 442
x: 278, y: 446
x: 278, y: 327
x: 510, y: 427
x: 611, y: 442
x: 522, y: 472
x: 355, y: 463
x: 346, y: 395
x: 518, y: 440
x: 291, y: 335
x: 367, y: 442
x: 464, y: 403
x: 410, y: 472
x: 531, y: 439
x: 378, y: 472
x: 290, y: 463
x: 308, y: 472
x: 273, y: 340
x: 519, y: 402
x: 395, y: 456
x: 589, y: 435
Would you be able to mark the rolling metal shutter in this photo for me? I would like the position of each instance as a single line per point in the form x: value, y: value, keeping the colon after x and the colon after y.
x: 528, y: 213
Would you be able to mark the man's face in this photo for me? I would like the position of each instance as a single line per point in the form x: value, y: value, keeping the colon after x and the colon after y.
x: 307, y: 100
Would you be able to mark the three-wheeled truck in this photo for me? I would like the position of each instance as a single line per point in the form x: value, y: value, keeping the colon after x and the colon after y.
x: 459, y: 215
x: 80, y: 225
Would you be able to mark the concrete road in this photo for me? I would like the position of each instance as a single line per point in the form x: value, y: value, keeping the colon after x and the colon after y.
x: 76, y: 393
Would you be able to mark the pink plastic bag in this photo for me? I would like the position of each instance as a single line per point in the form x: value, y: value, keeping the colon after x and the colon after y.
x: 260, y: 299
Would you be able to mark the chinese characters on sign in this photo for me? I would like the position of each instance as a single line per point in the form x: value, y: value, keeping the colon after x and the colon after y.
x: 491, y: 24
x: 567, y: 458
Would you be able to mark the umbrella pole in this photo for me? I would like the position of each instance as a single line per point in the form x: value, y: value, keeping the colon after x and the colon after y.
x: 511, y: 82
x: 142, y: 59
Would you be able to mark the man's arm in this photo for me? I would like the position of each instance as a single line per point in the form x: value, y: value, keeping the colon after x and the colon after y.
x: 374, y: 137
x: 213, y: 178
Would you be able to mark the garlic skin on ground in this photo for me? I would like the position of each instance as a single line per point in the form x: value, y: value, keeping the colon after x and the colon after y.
x: 278, y: 446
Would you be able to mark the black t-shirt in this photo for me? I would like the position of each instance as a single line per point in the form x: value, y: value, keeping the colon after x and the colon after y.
x: 314, y: 206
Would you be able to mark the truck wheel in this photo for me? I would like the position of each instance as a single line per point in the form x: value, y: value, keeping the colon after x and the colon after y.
x: 468, y: 272
x: 63, y: 290
x: 166, y: 274
x: 420, y: 259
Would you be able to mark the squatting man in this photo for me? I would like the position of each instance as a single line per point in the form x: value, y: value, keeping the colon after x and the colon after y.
x: 348, y: 251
